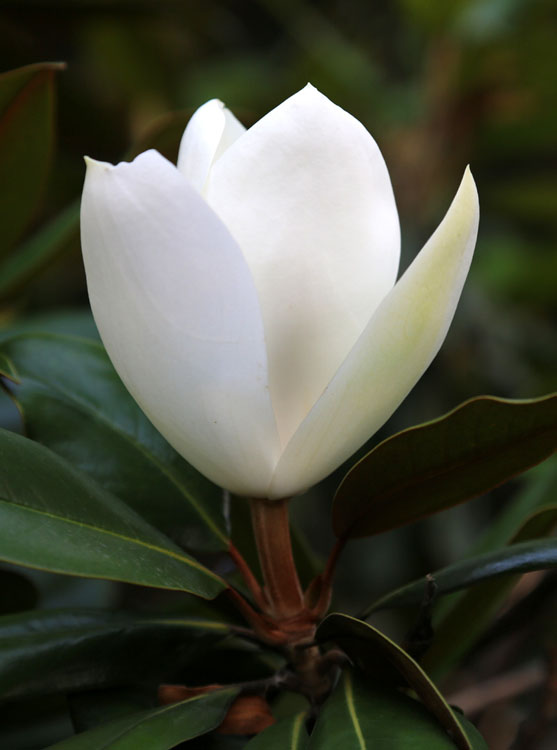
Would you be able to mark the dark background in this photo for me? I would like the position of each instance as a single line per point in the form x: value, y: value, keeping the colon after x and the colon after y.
x: 438, y: 84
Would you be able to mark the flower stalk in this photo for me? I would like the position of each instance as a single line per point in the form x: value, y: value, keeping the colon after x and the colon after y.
x: 271, y: 528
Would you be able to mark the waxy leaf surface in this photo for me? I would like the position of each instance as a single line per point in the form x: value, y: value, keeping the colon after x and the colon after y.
x: 73, y: 401
x: 389, y: 665
x: 155, y: 729
x: 286, y: 734
x: 54, y: 517
x: 516, y: 558
x: 439, y: 464
x: 359, y: 716
x: 66, y: 650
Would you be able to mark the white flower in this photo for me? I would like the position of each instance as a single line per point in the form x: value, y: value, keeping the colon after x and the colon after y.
x: 247, y: 297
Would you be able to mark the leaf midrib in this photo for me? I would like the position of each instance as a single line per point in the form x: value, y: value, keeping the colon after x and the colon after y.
x: 81, y: 630
x: 69, y: 397
x: 130, y: 540
x: 152, y: 715
x: 349, y: 693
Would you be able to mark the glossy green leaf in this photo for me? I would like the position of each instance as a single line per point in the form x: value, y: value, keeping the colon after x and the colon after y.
x: 26, y: 136
x: 66, y: 650
x: 439, y: 464
x: 286, y: 734
x: 54, y: 517
x: 65, y: 322
x: 73, y: 401
x: 528, y: 515
x: 37, y: 252
x: 361, y: 716
x: 538, y: 490
x: 455, y: 634
x: 516, y: 558
x: 156, y: 729
x: 389, y: 665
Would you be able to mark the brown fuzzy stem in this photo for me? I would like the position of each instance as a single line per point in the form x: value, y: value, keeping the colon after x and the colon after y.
x: 272, y: 534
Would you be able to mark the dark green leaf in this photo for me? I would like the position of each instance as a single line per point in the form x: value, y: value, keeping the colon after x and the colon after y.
x: 516, y: 558
x: 66, y: 322
x: 156, y: 729
x: 286, y: 734
x: 389, y: 665
x: 359, y: 716
x: 26, y: 135
x: 538, y: 489
x: 66, y: 650
x: 526, y: 516
x: 73, y: 401
x: 54, y: 517
x: 439, y: 464
x: 39, y: 250
x: 455, y: 634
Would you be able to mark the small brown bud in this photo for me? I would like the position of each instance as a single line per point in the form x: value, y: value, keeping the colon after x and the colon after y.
x: 248, y: 714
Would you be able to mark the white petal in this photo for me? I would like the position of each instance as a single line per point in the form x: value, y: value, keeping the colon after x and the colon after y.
x: 395, y: 349
x: 211, y: 130
x: 307, y: 195
x: 177, y: 310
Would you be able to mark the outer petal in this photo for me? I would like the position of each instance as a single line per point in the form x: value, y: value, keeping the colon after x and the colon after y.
x: 397, y: 346
x: 177, y: 310
x: 211, y: 130
x: 307, y: 195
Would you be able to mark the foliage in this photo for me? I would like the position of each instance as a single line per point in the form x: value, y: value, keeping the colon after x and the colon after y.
x: 90, y: 489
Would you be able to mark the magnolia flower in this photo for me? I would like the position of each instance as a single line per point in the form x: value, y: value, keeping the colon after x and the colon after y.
x: 247, y: 296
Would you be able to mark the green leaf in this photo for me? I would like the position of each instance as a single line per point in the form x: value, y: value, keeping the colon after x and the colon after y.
x: 54, y: 517
x: 68, y: 387
x: 66, y: 650
x: 39, y: 250
x: 439, y: 464
x: 359, y: 716
x: 452, y: 638
x: 26, y: 136
x: 156, y: 729
x: 66, y: 322
x: 537, y: 491
x: 526, y: 516
x: 286, y: 734
x: 516, y: 558
x: 386, y: 663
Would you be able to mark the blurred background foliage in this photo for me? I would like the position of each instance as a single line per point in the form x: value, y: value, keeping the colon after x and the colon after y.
x: 439, y: 85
